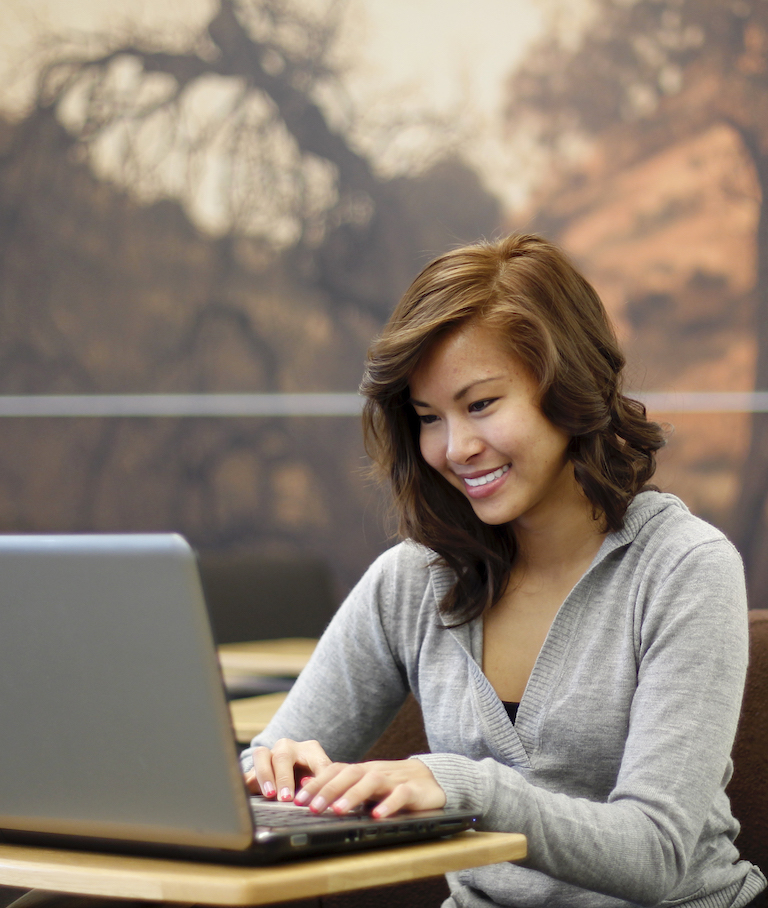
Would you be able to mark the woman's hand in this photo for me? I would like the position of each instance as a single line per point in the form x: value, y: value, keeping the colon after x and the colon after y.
x: 395, y: 784
x: 275, y: 771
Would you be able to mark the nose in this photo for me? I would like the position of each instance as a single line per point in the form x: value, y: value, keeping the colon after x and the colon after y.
x: 463, y: 443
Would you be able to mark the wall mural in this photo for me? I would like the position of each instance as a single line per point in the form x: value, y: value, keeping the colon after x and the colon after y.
x: 206, y: 218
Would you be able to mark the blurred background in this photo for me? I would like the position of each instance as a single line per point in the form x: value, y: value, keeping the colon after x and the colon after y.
x: 229, y: 196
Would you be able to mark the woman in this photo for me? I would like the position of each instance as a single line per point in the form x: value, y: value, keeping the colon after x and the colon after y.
x: 576, y: 640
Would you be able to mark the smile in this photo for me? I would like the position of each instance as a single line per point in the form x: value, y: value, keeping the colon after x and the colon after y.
x: 489, y: 477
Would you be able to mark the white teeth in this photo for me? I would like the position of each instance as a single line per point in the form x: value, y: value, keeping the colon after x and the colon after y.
x: 489, y: 477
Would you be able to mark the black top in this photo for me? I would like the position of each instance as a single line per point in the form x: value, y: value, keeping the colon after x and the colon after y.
x: 511, y: 709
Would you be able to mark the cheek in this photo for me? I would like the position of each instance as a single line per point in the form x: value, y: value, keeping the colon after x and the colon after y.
x: 431, y: 449
x: 553, y: 445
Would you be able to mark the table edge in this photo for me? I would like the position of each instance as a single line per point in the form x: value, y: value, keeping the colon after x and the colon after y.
x: 122, y: 876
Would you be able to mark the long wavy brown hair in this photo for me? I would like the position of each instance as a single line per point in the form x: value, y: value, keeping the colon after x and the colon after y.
x: 549, y: 316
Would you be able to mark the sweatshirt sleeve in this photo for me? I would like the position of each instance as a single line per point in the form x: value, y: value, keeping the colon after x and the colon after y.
x: 354, y: 683
x: 691, y: 649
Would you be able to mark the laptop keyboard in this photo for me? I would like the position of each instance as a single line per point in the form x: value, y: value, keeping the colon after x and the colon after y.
x: 273, y: 813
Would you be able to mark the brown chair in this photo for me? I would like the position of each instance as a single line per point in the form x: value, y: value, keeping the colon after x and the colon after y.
x: 748, y: 788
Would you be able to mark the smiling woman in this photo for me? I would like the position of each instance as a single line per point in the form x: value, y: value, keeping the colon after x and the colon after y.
x: 577, y: 639
x: 521, y: 308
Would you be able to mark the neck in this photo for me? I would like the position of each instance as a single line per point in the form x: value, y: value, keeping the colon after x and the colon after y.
x: 570, y: 539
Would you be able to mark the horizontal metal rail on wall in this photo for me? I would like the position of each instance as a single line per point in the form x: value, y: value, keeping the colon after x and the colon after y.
x: 317, y: 404
x: 195, y: 405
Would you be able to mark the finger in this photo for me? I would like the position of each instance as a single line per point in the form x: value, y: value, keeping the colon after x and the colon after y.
x: 371, y: 787
x: 314, y: 784
x: 420, y: 791
x: 346, y: 786
x: 251, y: 782
x: 284, y: 759
x: 261, y: 779
x: 351, y: 786
x: 403, y: 797
x: 291, y: 759
x: 408, y: 797
x: 396, y: 785
x: 313, y: 757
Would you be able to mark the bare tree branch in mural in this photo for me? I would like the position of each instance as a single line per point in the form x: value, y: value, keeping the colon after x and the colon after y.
x: 656, y: 71
x: 112, y: 280
x: 270, y: 139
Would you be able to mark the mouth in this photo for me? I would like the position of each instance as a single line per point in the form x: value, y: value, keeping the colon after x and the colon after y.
x: 479, y: 481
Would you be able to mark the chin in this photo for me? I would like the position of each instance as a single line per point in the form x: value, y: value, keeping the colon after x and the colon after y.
x: 495, y: 523
x: 492, y: 520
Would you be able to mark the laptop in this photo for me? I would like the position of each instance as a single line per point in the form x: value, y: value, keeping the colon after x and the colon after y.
x: 116, y: 730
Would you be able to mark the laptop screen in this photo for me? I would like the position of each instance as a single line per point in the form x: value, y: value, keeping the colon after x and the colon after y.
x: 114, y: 715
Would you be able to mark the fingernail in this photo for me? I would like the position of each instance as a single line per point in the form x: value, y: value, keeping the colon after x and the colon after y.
x: 380, y: 811
x: 306, y: 780
x: 302, y: 797
x: 285, y: 794
x: 268, y: 790
x: 341, y: 806
x: 318, y: 805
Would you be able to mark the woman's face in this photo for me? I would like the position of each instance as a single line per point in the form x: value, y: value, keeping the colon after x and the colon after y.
x: 483, y: 430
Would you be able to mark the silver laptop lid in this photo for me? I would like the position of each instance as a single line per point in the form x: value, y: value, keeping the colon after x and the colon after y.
x: 111, y: 703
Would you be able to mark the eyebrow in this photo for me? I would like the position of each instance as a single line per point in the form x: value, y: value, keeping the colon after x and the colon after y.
x: 461, y: 392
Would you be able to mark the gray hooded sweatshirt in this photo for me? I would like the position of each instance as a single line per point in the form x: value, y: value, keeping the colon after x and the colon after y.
x: 616, y: 766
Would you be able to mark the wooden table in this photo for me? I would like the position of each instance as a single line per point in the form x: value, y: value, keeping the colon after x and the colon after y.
x: 250, y: 715
x: 285, y: 657
x: 154, y: 879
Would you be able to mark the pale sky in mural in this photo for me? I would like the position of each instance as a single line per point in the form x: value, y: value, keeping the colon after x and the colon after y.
x: 436, y: 56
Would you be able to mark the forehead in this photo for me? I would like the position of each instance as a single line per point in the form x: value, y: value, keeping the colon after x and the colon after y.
x: 469, y: 353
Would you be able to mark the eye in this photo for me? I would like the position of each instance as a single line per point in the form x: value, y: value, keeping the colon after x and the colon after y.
x: 479, y: 405
x: 426, y: 419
